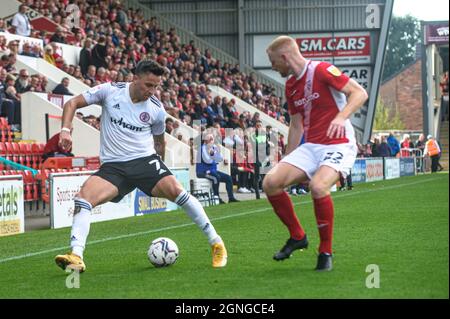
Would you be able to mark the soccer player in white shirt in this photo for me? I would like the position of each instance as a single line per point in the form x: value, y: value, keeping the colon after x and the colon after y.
x: 131, y: 146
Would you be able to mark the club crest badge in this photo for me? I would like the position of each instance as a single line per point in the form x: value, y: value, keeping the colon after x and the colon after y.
x: 144, y: 116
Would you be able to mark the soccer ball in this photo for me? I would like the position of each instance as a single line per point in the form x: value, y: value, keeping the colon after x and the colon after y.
x: 162, y: 252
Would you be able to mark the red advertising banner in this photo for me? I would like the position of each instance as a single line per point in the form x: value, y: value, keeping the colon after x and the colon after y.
x: 436, y: 33
x: 374, y: 169
x: 338, y: 48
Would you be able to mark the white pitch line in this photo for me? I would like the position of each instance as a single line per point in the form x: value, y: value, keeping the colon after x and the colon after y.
x: 353, y: 193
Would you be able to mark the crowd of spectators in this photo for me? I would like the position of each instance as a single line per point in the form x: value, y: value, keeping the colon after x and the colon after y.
x: 115, y: 39
x: 387, y: 145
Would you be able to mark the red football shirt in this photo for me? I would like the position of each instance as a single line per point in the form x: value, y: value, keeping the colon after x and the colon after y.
x: 316, y: 95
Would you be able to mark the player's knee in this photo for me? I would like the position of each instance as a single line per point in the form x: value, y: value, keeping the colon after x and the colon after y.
x: 318, y: 188
x: 86, y: 197
x: 271, y: 184
x: 173, y: 191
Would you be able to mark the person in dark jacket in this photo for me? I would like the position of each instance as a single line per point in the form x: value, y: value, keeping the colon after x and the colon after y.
x: 63, y: 87
x: 86, y: 56
x: 384, y: 149
x: 59, y: 35
x: 99, y: 53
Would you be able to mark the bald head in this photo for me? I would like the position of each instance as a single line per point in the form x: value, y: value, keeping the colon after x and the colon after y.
x: 285, y: 56
x: 283, y: 44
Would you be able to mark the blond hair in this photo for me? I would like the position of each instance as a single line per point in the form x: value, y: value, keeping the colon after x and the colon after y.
x: 281, y: 43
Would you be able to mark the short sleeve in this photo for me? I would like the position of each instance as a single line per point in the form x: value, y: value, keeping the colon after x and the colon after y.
x: 332, y: 76
x: 97, y: 94
x: 159, y: 126
x: 15, y: 21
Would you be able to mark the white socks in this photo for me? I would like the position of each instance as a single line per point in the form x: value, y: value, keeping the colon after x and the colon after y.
x: 194, y: 209
x: 80, y: 226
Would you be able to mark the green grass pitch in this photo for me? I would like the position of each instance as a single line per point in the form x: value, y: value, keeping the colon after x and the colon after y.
x: 400, y: 225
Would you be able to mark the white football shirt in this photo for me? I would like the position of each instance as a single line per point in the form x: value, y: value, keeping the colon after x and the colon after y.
x: 126, y: 128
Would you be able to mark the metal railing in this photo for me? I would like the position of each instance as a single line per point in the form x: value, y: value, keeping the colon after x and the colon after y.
x: 422, y: 163
x: 186, y: 36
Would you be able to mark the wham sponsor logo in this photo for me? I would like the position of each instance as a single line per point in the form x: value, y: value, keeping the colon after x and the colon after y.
x: 126, y: 125
x: 305, y: 100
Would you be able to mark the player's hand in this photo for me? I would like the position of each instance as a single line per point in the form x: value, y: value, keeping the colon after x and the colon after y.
x: 336, y: 128
x: 65, y: 140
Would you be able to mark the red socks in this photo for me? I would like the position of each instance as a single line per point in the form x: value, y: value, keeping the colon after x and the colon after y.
x: 324, y: 210
x: 283, y: 207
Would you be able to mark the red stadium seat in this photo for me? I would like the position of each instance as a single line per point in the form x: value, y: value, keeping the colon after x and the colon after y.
x: 2, y: 154
x: 9, y: 151
x: 3, y: 122
x: 25, y: 152
x: 16, y: 152
x: 2, y: 149
x: 35, y: 155
x: 30, y: 186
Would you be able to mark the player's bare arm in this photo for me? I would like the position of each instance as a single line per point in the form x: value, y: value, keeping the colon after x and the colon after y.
x: 65, y: 139
x: 160, y: 145
x: 356, y: 96
x: 295, y: 132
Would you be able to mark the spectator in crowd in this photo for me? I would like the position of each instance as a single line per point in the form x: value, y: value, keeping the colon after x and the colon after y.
x: 99, y: 53
x: 439, y: 166
x: 406, y: 145
x: 63, y: 87
x: 7, y: 106
x: 443, y: 84
x: 10, y: 94
x: 35, y: 83
x: 28, y: 50
x: 374, y: 147
x: 21, y: 22
x: 4, y: 62
x: 169, y: 125
x: 10, y: 67
x: 48, y: 55
x: 240, y: 171
x: 3, y: 43
x: 22, y: 83
x: 59, y: 35
x: 394, y: 145
x: 91, y: 74
x: 86, y: 56
x: 208, y: 157
x: 383, y: 149
x: 420, y: 143
x: 53, y: 149
x: 124, y: 37
x: 13, y: 47
x: 43, y: 83
x: 432, y: 150
x: 3, y: 26
x: 59, y: 60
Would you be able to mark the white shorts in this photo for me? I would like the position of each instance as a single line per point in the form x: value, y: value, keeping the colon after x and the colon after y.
x: 309, y: 157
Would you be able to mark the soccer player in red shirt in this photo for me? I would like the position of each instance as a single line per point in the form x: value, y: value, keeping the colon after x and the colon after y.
x: 320, y: 101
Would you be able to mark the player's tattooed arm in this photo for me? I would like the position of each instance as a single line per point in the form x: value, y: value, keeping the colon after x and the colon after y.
x: 160, y: 145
